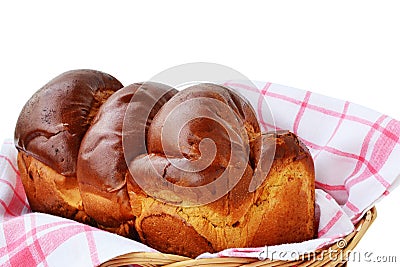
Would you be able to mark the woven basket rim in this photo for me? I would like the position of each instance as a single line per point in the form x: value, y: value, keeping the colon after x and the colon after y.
x: 336, y: 255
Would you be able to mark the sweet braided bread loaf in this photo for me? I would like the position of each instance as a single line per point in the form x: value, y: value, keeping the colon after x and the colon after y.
x: 184, y: 172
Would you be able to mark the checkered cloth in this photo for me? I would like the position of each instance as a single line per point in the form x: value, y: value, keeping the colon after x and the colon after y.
x: 355, y: 150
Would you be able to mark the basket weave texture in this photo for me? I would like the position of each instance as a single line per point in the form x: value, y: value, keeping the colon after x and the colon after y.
x: 335, y: 255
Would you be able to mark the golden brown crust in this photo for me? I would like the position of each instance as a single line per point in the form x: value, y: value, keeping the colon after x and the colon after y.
x: 52, y: 123
x: 278, y: 209
x: 271, y: 201
x: 174, y: 236
x: 101, y: 162
x: 217, y: 112
x: 48, y: 135
x: 203, y: 136
x: 285, y: 201
x: 50, y: 192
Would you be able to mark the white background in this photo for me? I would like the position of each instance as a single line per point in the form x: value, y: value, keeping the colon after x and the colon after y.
x: 345, y: 49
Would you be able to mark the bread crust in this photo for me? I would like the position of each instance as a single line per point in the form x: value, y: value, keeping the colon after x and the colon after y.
x: 271, y: 203
x: 101, y: 162
x: 280, y: 210
x: 53, y: 122
x: 48, y: 135
x: 50, y: 192
x: 90, y: 164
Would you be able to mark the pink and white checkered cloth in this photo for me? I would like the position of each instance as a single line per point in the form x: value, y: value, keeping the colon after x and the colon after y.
x: 355, y: 150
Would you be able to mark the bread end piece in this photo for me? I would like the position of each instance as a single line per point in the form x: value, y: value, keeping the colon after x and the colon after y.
x: 286, y: 200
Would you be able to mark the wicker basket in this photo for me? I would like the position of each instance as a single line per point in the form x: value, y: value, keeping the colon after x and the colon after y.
x: 335, y: 256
